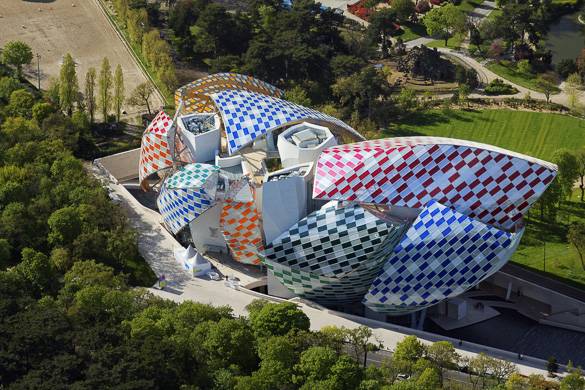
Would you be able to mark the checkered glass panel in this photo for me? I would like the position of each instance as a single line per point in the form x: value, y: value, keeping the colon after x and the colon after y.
x: 332, y: 241
x: 190, y: 94
x: 490, y: 184
x: 179, y: 206
x: 443, y: 254
x: 248, y: 115
x: 240, y: 226
x: 155, y: 153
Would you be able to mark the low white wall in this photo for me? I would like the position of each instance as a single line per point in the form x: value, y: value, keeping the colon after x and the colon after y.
x: 122, y: 166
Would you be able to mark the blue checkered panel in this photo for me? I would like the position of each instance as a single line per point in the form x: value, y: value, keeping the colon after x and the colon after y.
x: 248, y: 115
x: 443, y: 254
x: 179, y: 206
x: 333, y: 254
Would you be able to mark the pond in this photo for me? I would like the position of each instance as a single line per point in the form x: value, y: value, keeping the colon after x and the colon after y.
x: 566, y: 37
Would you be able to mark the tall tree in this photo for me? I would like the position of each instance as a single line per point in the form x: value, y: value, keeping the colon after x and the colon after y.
x: 17, y: 54
x: 140, y: 96
x: 573, y: 89
x: 568, y: 170
x: 90, y: 103
x: 576, y: 237
x: 119, y: 91
x: 547, y: 82
x: 105, y: 88
x: 445, y: 22
x: 68, y: 85
x: 381, y: 26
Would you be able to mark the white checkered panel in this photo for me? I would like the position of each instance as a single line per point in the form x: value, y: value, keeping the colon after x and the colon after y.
x: 333, y: 255
x: 331, y: 242
x: 248, y: 115
x: 490, y: 184
x: 443, y: 254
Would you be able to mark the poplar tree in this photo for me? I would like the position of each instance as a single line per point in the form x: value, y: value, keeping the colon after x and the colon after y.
x: 68, y: 86
x: 118, y: 91
x: 105, y: 88
x: 90, y: 102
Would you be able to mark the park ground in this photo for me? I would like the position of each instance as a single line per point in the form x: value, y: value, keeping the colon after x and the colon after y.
x: 78, y: 27
x: 536, y: 134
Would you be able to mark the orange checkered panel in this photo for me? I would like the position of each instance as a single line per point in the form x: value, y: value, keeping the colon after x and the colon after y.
x: 241, y: 229
x: 194, y: 96
x: 155, y: 152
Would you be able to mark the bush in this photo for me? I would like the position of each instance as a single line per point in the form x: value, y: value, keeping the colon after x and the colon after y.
x: 498, y: 87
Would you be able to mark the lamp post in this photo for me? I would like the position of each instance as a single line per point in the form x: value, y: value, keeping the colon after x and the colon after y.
x: 544, y: 256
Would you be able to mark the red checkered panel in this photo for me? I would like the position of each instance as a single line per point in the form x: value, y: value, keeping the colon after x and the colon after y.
x: 491, y: 184
x: 155, y: 152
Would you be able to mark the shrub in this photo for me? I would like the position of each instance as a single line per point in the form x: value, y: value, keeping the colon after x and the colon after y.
x: 498, y: 87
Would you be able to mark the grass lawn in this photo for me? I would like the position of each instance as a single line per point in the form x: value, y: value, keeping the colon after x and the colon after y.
x: 469, y: 5
x: 509, y: 73
x: 562, y: 260
x: 453, y: 42
x: 532, y: 133
x: 411, y: 31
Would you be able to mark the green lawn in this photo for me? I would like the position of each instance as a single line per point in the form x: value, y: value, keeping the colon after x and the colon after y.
x: 562, y: 260
x: 469, y: 5
x: 411, y: 31
x: 453, y: 43
x: 533, y: 133
x: 508, y: 72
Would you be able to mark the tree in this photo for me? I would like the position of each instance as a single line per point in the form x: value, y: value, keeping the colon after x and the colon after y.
x: 359, y: 342
x: 105, y: 88
x: 380, y: 28
x: 408, y: 352
x: 496, y: 49
x: 64, y: 225
x: 118, y: 91
x: 314, y: 364
x: 568, y: 170
x: 41, y: 110
x: 573, y: 380
x: 137, y: 24
x: 516, y: 382
x: 475, y: 37
x: 404, y: 9
x: 429, y: 379
x: 17, y: 54
x: 580, y: 157
x: 443, y: 355
x: 21, y: 103
x: 278, y: 319
x: 140, y: 97
x: 5, y: 253
x: 576, y: 237
x: 68, y: 86
x: 464, y: 91
x: 573, y: 89
x: 445, y: 22
x: 7, y: 86
x: 90, y: 103
x: 37, y: 270
x: 551, y: 364
x: 524, y: 67
x: 298, y: 95
x: 547, y: 82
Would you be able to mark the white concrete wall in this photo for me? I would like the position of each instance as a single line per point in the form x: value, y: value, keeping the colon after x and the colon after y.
x: 206, y: 232
x: 122, y: 166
